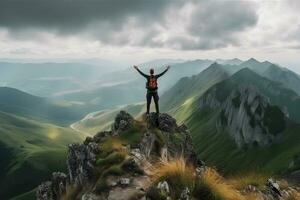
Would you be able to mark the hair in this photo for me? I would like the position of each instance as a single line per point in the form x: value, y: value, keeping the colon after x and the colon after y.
x: 151, y: 71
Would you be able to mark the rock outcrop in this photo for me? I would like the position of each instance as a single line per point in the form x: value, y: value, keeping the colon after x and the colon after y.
x: 81, y: 161
x: 158, y: 137
x: 52, y: 190
x: 246, y: 114
x: 166, y: 139
x: 120, y: 164
x: 123, y: 121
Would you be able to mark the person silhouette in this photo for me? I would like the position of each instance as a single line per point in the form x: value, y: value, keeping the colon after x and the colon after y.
x: 151, y: 86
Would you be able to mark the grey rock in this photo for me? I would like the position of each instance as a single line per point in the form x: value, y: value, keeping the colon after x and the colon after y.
x: 52, y: 190
x: 147, y: 143
x: 124, y: 181
x: 164, y: 187
x: 59, y: 182
x: 162, y: 121
x: 168, y: 129
x: 273, y: 187
x: 44, y: 191
x: 123, y: 121
x: 185, y: 194
x: 81, y: 162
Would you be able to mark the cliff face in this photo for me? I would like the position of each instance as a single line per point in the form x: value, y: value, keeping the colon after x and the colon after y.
x: 114, y: 164
x: 246, y: 115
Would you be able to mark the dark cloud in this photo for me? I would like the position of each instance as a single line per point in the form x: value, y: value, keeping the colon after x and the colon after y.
x: 212, y: 24
x: 74, y: 15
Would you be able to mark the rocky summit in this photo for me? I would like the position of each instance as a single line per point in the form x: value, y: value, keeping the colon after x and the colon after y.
x: 150, y: 158
x: 115, y: 164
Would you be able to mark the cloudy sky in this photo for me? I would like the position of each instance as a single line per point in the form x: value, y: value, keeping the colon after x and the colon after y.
x: 139, y: 30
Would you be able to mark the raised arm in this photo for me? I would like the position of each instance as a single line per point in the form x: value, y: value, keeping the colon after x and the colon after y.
x: 144, y: 75
x: 159, y: 75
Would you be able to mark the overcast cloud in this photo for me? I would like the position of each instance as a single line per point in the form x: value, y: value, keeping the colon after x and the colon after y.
x: 49, y: 28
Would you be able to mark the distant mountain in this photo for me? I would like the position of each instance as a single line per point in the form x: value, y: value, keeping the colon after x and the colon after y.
x: 279, y: 95
x: 30, y: 151
x: 244, y: 108
x: 234, y: 61
x: 131, y: 85
x: 160, y: 63
x: 288, y: 78
x: 255, y: 65
x: 194, y: 86
x: 20, y: 103
x: 245, y: 112
x: 47, y: 79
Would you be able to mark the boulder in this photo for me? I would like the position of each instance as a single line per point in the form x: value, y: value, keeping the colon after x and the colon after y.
x: 162, y: 121
x: 185, y: 194
x: 273, y: 187
x: 164, y: 188
x: 59, y: 182
x: 52, y: 190
x: 123, y: 122
x: 44, y: 191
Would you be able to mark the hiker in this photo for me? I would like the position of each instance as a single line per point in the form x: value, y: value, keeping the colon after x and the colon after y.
x: 151, y: 86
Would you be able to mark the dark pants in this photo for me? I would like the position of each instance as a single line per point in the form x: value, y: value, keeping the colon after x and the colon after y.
x: 149, y: 96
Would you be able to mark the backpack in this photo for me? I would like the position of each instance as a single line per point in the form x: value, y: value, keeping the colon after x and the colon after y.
x: 152, y: 83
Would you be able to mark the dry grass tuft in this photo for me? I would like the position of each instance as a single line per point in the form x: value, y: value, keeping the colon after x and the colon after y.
x: 179, y: 175
x: 176, y: 172
x: 241, y: 181
x: 212, y: 186
x: 112, y: 144
x: 71, y: 192
x: 294, y: 196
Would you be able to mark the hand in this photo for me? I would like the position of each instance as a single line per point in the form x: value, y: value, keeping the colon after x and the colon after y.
x: 168, y: 67
x: 135, y: 67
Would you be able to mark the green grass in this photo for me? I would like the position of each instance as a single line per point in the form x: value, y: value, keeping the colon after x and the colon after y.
x: 102, y: 120
x: 26, y: 196
x: 111, y: 159
x: 30, y: 151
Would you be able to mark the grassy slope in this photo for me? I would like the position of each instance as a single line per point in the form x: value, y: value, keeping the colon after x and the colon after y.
x: 192, y: 87
x: 26, y: 196
x: 23, y: 104
x: 218, y: 149
x: 102, y: 120
x: 30, y: 152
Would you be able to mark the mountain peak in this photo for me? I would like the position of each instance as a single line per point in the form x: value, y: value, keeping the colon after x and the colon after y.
x: 251, y: 61
x: 215, y: 64
x: 245, y: 72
